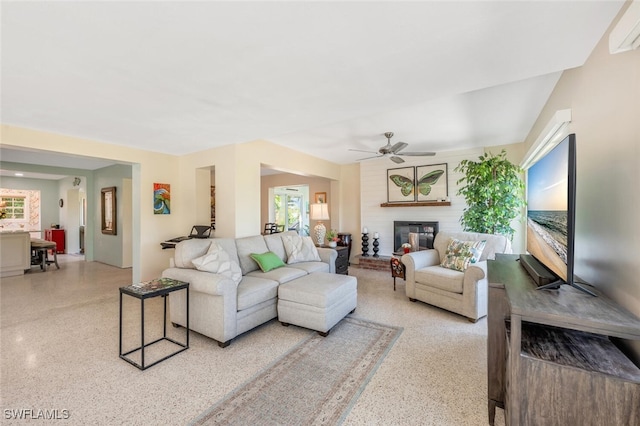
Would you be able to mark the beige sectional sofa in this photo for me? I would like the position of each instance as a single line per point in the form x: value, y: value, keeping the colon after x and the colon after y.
x: 222, y: 308
x: 465, y: 293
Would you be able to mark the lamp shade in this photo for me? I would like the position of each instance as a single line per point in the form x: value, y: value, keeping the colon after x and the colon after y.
x: 320, y: 211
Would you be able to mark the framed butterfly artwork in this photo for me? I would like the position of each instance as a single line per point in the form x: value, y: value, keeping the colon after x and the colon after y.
x: 432, y: 182
x: 400, y: 183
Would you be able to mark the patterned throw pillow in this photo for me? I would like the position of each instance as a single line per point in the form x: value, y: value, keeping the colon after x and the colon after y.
x: 218, y: 261
x: 300, y: 249
x: 460, y: 254
x: 267, y: 261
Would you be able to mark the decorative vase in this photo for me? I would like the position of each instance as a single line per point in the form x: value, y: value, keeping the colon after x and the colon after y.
x: 406, y: 249
x: 333, y: 244
x: 365, y: 244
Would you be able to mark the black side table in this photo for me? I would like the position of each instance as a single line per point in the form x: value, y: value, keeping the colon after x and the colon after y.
x: 146, y: 290
x: 342, y: 261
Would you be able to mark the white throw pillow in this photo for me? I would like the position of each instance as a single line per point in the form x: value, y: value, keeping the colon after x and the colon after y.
x: 218, y: 261
x: 300, y: 249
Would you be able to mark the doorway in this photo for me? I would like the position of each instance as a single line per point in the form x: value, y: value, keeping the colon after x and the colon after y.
x: 289, y: 208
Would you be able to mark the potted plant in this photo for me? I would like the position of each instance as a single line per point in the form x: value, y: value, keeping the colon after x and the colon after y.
x: 332, y: 237
x: 406, y: 247
x: 494, y: 192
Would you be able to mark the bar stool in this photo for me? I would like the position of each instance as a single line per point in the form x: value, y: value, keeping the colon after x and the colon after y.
x: 40, y: 253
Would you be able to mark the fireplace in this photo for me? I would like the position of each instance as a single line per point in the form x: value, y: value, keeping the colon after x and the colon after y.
x: 418, y: 233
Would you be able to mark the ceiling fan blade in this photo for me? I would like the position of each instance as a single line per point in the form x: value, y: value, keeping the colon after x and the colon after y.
x: 417, y: 154
x: 369, y: 158
x: 397, y: 160
x: 398, y: 146
x: 361, y: 150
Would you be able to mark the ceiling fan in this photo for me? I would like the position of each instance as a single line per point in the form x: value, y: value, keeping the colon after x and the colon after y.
x: 393, y: 151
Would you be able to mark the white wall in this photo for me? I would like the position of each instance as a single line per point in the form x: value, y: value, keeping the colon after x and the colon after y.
x: 315, y: 185
x: 604, y: 97
x: 148, y: 167
x: 350, y: 201
x: 373, y: 185
x: 238, y: 188
x: 127, y: 222
x: 109, y: 248
x: 72, y: 220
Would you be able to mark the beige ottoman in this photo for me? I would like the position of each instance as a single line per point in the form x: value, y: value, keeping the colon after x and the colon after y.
x: 317, y: 301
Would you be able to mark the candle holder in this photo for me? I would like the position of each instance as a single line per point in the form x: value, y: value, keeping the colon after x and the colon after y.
x: 375, y: 247
x: 365, y: 245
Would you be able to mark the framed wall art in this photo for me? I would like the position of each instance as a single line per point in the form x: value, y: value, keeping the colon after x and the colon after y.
x: 432, y: 182
x: 161, y: 198
x: 213, y: 206
x: 400, y: 183
x: 321, y: 197
x: 108, y: 211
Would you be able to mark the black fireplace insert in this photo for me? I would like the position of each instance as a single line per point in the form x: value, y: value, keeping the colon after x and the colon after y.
x: 418, y: 233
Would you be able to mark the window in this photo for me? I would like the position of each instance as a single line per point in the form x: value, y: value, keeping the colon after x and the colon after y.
x: 14, y: 207
x: 20, y: 210
x: 289, y: 208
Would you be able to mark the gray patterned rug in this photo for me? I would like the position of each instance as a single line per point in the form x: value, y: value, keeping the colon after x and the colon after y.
x: 315, y: 383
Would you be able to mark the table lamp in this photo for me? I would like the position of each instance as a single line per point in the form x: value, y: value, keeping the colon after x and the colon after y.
x: 319, y: 212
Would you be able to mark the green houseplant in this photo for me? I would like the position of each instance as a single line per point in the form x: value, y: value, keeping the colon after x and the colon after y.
x: 494, y: 192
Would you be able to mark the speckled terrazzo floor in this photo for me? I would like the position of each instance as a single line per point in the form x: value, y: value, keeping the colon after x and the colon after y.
x: 59, y: 354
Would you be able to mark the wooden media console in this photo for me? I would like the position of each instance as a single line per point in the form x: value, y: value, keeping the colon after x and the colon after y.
x: 550, y: 357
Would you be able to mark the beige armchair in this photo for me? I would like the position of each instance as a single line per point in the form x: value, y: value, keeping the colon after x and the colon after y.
x: 464, y: 293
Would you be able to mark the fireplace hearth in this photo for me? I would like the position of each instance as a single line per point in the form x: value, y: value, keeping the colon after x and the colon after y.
x: 420, y: 234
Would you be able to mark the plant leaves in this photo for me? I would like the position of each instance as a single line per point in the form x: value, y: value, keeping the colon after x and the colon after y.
x: 494, y: 192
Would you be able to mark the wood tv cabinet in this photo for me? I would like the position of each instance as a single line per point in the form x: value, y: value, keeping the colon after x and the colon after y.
x: 550, y: 359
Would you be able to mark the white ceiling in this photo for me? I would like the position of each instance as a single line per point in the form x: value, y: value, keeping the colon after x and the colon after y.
x: 320, y: 77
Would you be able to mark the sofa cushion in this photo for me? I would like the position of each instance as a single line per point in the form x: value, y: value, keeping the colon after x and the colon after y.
x: 282, y: 275
x: 218, y: 261
x: 300, y: 249
x: 311, y: 267
x: 321, y: 290
x: 495, y: 243
x: 267, y: 261
x: 246, y: 246
x: 274, y: 243
x: 254, y: 290
x: 442, y: 278
x: 229, y: 245
x: 188, y: 250
x: 460, y: 254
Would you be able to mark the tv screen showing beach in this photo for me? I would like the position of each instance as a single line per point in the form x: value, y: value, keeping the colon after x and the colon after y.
x: 547, y: 207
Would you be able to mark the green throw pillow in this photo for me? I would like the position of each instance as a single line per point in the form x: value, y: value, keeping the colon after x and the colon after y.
x: 267, y: 261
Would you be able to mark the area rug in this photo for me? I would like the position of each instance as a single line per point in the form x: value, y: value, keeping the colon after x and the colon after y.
x: 315, y: 383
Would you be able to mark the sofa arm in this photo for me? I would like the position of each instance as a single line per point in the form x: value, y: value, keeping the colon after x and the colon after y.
x: 421, y: 259
x: 475, y: 291
x: 417, y: 260
x: 213, y: 301
x: 328, y: 256
x: 203, y: 282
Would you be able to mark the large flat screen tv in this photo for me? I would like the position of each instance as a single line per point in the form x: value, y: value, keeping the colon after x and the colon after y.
x: 551, y: 212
